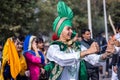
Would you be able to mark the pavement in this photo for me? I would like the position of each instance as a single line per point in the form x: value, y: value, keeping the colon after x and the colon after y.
x: 102, y: 76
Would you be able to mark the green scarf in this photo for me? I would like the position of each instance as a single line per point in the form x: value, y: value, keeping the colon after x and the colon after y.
x: 83, y: 72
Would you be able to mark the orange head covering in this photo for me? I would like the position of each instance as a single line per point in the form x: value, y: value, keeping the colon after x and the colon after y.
x: 10, y: 56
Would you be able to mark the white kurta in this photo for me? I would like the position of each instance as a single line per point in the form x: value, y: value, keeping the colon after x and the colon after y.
x: 69, y: 59
x: 93, y: 59
x: 114, y: 75
x: 117, y: 36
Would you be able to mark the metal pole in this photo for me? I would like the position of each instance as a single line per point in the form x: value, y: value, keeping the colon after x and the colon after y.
x: 105, y: 20
x: 89, y: 17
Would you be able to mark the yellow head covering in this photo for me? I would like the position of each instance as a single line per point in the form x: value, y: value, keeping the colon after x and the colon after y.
x: 10, y: 55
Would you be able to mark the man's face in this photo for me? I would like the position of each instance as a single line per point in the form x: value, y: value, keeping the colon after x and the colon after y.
x: 87, y: 35
x: 66, y: 33
x: 19, y: 45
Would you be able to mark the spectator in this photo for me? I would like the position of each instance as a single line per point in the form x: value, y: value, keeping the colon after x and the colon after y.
x: 92, y: 61
x: 40, y: 45
x: 33, y: 57
x: 13, y: 62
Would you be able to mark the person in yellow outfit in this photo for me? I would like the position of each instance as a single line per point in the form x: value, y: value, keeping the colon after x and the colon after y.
x: 13, y: 61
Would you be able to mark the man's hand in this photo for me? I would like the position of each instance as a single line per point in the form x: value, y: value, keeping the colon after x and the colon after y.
x: 27, y: 73
x: 42, y: 71
x: 117, y: 43
x: 94, y: 48
x: 115, y: 69
x: 114, y: 41
x: 110, y: 48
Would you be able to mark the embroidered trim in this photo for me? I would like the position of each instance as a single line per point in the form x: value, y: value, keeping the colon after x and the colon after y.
x: 56, y: 72
x: 59, y: 23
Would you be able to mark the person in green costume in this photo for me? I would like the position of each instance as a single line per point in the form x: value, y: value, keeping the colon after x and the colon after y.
x: 64, y: 54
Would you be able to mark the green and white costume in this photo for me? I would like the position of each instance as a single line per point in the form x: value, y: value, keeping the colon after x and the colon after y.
x: 65, y: 62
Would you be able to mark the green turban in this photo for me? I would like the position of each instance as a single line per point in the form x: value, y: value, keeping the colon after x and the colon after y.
x: 64, y: 18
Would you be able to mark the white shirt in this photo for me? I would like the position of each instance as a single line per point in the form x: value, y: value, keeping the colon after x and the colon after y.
x: 93, y: 59
x: 117, y: 36
x: 69, y: 59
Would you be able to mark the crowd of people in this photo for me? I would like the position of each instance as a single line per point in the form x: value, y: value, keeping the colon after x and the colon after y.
x: 68, y: 57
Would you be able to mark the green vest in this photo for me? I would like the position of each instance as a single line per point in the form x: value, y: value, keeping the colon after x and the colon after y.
x: 56, y: 70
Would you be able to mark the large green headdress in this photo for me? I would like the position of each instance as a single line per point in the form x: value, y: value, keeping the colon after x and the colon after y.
x: 64, y: 18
